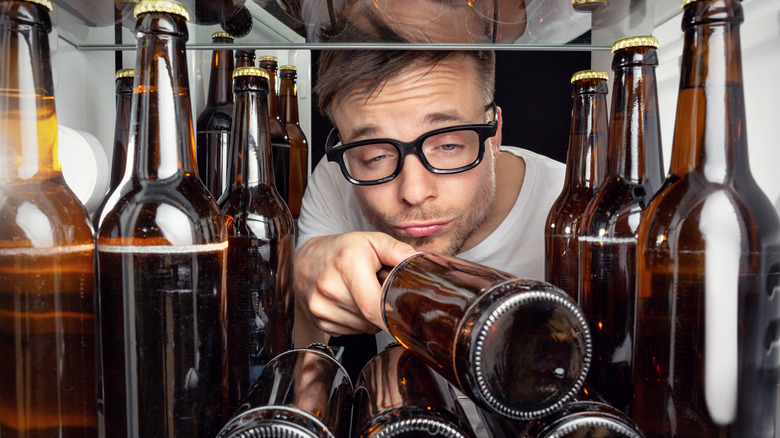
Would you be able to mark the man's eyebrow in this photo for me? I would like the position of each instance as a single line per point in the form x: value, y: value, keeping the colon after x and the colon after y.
x: 365, y: 131
x: 445, y: 117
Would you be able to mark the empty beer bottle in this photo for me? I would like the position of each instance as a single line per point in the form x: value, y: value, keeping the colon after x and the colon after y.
x: 299, y: 148
x: 245, y: 58
x: 609, y: 224
x: 398, y: 395
x: 587, y: 416
x: 302, y: 393
x: 47, y: 320
x: 280, y: 142
x: 260, y: 237
x: 162, y: 247
x: 585, y: 167
x: 519, y: 348
x: 707, y: 257
x: 240, y: 24
x: 214, y: 122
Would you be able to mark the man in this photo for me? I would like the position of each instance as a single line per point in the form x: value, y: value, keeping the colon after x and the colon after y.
x: 419, y: 168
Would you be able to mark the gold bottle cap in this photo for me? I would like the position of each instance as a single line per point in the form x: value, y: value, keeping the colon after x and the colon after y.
x: 45, y: 3
x: 288, y: 67
x: 589, y: 74
x: 124, y: 73
x: 636, y: 41
x: 580, y: 3
x: 687, y: 2
x: 221, y: 35
x: 268, y: 58
x: 166, y: 6
x: 250, y: 71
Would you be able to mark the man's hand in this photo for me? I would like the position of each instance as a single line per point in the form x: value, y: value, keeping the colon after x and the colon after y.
x: 335, y: 283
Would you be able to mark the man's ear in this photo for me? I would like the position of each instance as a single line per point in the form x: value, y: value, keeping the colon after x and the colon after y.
x: 495, y: 141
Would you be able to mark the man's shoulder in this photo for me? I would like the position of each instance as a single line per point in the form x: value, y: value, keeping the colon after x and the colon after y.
x: 533, y: 157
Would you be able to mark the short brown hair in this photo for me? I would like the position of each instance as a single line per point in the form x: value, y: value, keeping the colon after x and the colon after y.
x: 341, y: 71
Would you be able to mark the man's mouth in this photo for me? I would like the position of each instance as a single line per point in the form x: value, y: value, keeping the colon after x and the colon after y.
x: 421, y: 229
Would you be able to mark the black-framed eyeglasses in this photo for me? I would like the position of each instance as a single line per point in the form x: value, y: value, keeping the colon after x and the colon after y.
x: 443, y: 151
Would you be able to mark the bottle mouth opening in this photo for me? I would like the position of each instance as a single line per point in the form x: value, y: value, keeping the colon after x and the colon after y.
x: 413, y: 422
x: 275, y: 421
x: 591, y: 424
x: 531, y: 351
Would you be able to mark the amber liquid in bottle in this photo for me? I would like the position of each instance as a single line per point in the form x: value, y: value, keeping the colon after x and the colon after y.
x: 280, y: 142
x: 398, y: 395
x: 519, y: 348
x: 162, y: 249
x: 302, y: 393
x: 47, y: 320
x: 214, y: 122
x: 609, y: 225
x: 707, y: 257
x: 585, y: 169
x: 260, y: 236
x: 299, y: 148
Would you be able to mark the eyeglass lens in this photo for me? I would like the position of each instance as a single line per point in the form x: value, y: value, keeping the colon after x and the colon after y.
x: 444, y: 151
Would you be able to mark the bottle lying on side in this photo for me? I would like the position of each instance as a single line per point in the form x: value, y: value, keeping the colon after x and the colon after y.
x: 518, y: 348
x: 397, y: 395
x: 301, y: 393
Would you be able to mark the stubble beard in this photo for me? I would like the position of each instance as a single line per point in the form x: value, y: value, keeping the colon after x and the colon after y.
x: 452, y: 242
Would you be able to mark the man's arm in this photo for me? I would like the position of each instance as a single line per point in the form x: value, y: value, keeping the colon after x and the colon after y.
x: 334, y: 270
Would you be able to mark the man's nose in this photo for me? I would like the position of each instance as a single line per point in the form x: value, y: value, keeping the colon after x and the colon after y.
x: 417, y: 185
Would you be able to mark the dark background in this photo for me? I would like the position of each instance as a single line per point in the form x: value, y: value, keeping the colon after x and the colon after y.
x: 533, y: 90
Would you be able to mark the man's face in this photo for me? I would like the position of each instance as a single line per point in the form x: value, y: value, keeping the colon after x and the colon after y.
x: 433, y: 213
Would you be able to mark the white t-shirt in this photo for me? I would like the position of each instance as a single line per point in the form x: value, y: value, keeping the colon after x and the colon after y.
x: 330, y: 206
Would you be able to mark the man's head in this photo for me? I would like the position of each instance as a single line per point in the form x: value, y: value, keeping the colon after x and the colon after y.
x: 402, y: 95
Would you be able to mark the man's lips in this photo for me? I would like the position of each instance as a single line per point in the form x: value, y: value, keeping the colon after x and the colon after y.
x: 421, y: 229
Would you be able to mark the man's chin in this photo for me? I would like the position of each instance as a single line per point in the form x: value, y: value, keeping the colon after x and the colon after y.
x: 429, y: 244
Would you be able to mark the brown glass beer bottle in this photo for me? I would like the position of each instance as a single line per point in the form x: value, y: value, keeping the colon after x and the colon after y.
x: 47, y: 319
x: 280, y: 142
x: 245, y: 58
x: 398, y: 395
x: 302, y: 393
x: 607, y: 239
x: 299, y: 148
x: 240, y: 24
x: 588, y: 415
x: 162, y: 248
x: 519, y: 348
x: 585, y: 168
x: 214, y: 122
x: 260, y: 242
x: 707, y: 257
x: 124, y: 95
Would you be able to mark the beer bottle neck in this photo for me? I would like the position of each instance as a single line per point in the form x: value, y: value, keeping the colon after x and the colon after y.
x: 220, y: 82
x: 585, y: 160
x: 245, y: 58
x: 161, y: 139
x: 709, y: 133
x: 634, y: 131
x: 124, y: 98
x: 28, y: 121
x: 273, y: 97
x: 289, y: 99
x: 251, y: 139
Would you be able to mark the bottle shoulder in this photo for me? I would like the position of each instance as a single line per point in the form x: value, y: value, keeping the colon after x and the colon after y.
x: 257, y: 210
x: 689, y: 210
x: 45, y: 214
x: 176, y: 211
x: 616, y: 207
